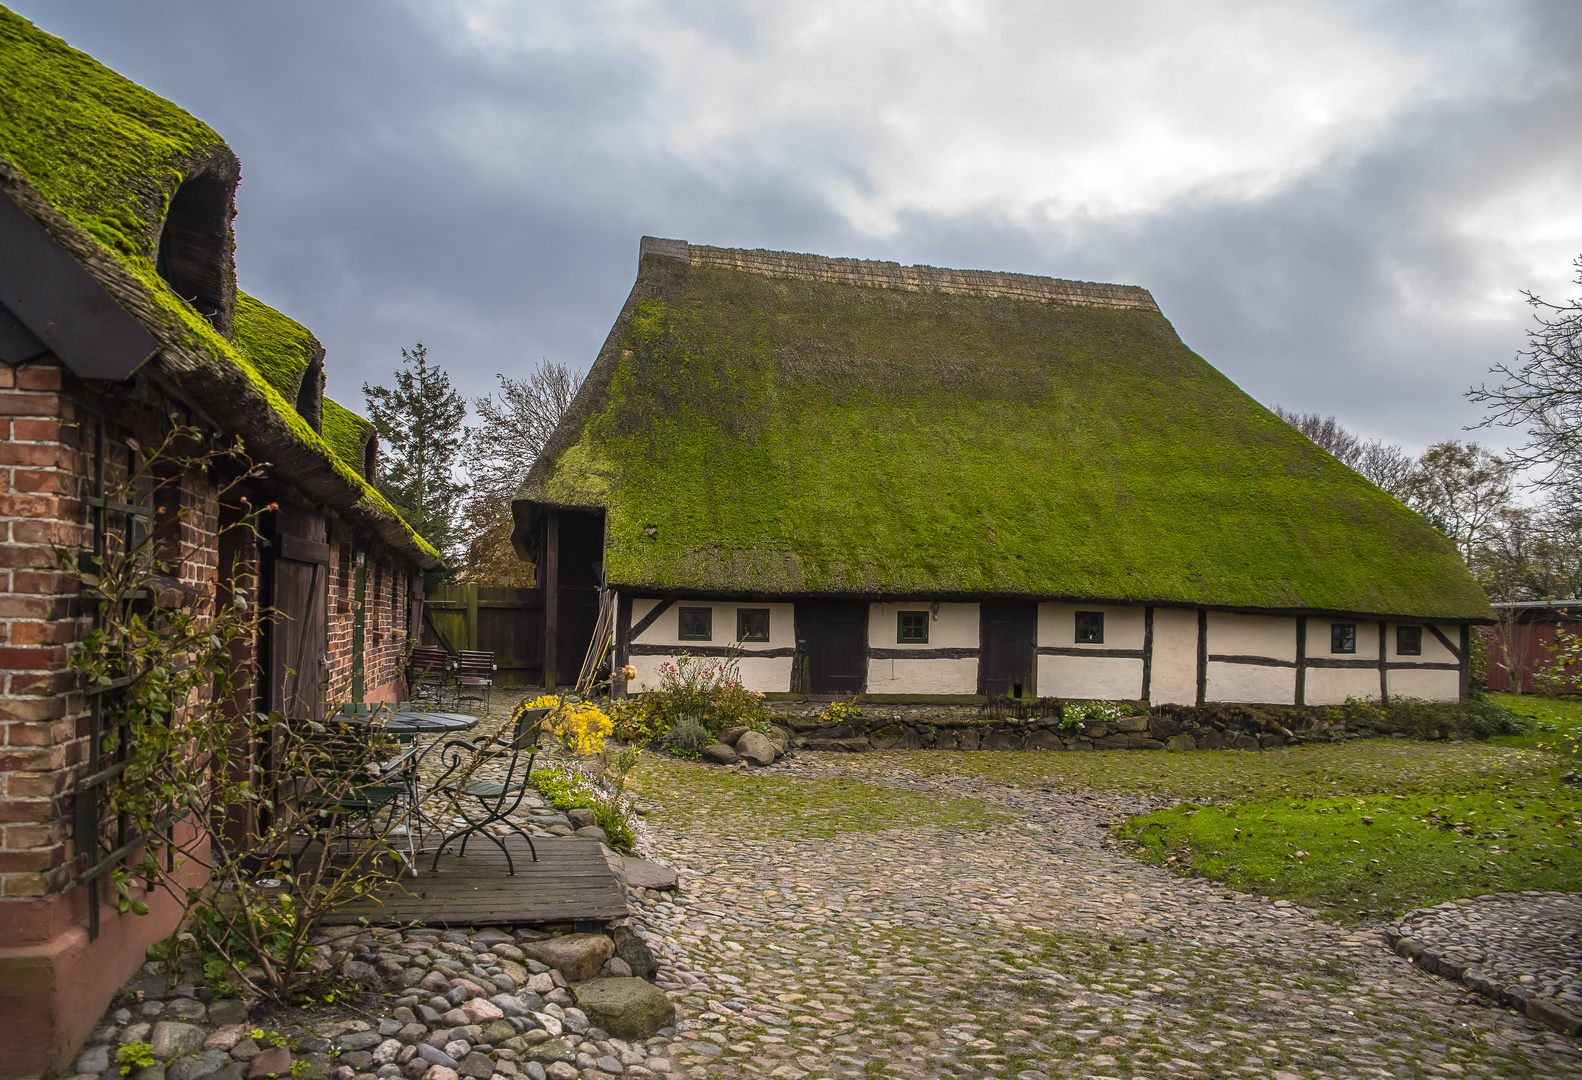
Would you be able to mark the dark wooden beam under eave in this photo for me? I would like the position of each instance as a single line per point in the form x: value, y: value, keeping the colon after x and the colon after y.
x: 61, y: 304
x: 1301, y: 661
x: 551, y: 567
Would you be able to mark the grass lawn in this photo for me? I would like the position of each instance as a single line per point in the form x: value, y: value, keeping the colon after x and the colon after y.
x: 734, y: 802
x: 1556, y: 722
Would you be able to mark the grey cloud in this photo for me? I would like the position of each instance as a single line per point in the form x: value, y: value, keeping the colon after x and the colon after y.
x: 402, y: 183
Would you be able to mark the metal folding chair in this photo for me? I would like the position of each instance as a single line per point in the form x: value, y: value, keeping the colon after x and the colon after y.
x: 483, y: 803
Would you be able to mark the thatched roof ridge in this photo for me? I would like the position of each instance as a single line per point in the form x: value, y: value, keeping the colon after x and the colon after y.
x: 759, y: 425
x: 918, y: 278
x: 96, y: 161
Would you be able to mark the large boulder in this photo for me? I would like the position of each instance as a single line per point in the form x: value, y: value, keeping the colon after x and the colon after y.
x: 632, y: 949
x: 731, y: 734
x: 576, y: 956
x: 756, y: 748
x: 642, y: 874
x: 626, y: 1008
x: 720, y: 754
x: 780, y: 737
x: 1132, y: 725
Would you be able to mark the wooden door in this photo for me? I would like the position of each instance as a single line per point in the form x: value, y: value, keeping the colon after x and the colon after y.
x: 298, y: 667
x: 1008, y: 650
x: 832, y: 636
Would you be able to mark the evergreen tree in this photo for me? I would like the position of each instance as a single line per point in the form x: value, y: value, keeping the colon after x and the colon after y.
x: 420, y: 420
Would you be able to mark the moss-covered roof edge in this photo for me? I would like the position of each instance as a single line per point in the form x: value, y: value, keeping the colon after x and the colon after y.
x: 199, y: 367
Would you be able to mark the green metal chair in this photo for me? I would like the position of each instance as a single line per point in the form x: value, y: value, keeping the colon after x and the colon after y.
x: 340, y: 793
x: 482, y: 803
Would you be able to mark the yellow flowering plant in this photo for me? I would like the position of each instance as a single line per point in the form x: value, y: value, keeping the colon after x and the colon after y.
x: 580, y: 725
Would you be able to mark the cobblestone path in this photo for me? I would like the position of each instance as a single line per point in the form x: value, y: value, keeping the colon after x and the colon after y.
x: 1036, y: 949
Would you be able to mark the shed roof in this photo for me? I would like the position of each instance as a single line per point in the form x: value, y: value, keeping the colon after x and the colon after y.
x: 95, y: 160
x: 768, y: 423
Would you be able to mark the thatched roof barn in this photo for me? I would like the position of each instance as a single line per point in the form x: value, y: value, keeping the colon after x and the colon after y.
x: 772, y: 427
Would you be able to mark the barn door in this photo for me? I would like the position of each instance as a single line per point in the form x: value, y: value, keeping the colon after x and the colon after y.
x: 1009, y: 640
x: 298, y: 667
x: 832, y: 636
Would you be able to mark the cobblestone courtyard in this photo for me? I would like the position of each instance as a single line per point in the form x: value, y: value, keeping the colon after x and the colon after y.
x: 1031, y: 948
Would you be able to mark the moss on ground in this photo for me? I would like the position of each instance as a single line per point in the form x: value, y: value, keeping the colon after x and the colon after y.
x: 1361, y: 766
x: 1556, y: 723
x: 707, y: 798
x: 972, y: 444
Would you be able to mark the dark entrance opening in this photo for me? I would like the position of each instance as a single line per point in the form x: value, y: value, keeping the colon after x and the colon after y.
x: 832, y: 638
x: 1009, y: 648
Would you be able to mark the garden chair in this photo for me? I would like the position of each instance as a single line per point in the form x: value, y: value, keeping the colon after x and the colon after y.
x: 426, y: 673
x: 483, y: 803
x: 474, y: 671
x: 337, y: 791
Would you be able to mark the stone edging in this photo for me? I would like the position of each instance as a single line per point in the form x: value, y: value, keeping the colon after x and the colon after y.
x: 1516, y: 997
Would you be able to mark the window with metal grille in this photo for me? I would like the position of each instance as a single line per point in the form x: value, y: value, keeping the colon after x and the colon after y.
x: 912, y: 628
x: 697, y: 624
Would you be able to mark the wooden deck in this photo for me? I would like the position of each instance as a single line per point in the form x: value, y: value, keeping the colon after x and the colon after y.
x: 570, y: 883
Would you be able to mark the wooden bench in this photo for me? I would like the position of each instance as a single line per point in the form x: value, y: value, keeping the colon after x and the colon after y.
x: 427, y: 670
x: 475, y: 672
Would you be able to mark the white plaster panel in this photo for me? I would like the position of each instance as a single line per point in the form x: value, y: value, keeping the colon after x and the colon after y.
x: 1433, y: 651
x: 1123, y: 626
x: 1331, y: 686
x: 956, y: 627
x: 1367, y: 641
x: 667, y: 628
x: 1104, y: 678
x: 932, y: 676
x: 766, y: 674
x: 1250, y: 683
x: 1174, y: 672
x: 1428, y: 684
x: 1251, y: 635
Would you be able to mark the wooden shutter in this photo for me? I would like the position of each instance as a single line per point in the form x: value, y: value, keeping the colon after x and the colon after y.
x: 298, y: 666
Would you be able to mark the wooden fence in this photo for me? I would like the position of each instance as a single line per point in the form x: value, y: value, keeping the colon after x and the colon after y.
x: 507, y: 622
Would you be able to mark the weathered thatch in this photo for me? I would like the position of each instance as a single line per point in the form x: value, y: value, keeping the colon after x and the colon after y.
x: 765, y: 423
x: 103, y: 165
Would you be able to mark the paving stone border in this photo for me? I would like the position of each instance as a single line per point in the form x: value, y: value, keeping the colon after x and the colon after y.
x: 1521, y: 949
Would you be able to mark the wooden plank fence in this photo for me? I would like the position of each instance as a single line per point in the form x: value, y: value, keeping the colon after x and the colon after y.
x: 507, y: 622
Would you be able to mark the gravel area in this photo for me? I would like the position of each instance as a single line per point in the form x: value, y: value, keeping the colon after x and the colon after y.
x: 1513, y: 947
x: 1037, y: 950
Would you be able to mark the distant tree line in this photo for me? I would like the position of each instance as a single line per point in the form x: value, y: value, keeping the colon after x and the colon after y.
x: 1519, y: 550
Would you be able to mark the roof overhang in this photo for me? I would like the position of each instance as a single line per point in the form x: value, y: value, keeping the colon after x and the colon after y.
x: 49, y: 301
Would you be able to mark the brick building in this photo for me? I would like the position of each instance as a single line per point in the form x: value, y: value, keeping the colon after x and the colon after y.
x: 120, y: 316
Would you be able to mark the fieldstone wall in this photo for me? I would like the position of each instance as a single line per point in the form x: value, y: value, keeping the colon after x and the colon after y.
x: 966, y: 728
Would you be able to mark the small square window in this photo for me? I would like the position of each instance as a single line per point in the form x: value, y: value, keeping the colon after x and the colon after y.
x: 1342, y: 637
x: 1090, y: 628
x: 752, y: 624
x: 1409, y: 641
x: 913, y: 628
x: 697, y: 624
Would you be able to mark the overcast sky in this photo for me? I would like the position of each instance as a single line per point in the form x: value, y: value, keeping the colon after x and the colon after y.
x: 1336, y: 203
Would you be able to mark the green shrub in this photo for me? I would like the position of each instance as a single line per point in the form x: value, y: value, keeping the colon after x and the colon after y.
x: 706, y: 689
x: 688, y: 736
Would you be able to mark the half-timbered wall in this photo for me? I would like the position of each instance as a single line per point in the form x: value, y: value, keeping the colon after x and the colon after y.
x: 1111, y: 669
x: 655, y: 639
x: 946, y: 664
x: 1164, y: 655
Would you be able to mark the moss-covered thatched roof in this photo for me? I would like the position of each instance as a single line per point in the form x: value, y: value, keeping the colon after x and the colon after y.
x: 764, y: 423
x: 96, y: 159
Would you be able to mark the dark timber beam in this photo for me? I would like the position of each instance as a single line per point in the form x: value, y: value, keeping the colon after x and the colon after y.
x: 1384, y: 672
x: 551, y: 568
x: 1202, y: 655
x: 1301, y: 660
x: 1148, y: 653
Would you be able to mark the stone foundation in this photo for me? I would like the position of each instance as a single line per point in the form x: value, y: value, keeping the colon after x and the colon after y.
x: 933, y: 727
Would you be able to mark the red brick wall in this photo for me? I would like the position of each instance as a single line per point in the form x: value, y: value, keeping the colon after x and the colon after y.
x: 43, y: 467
